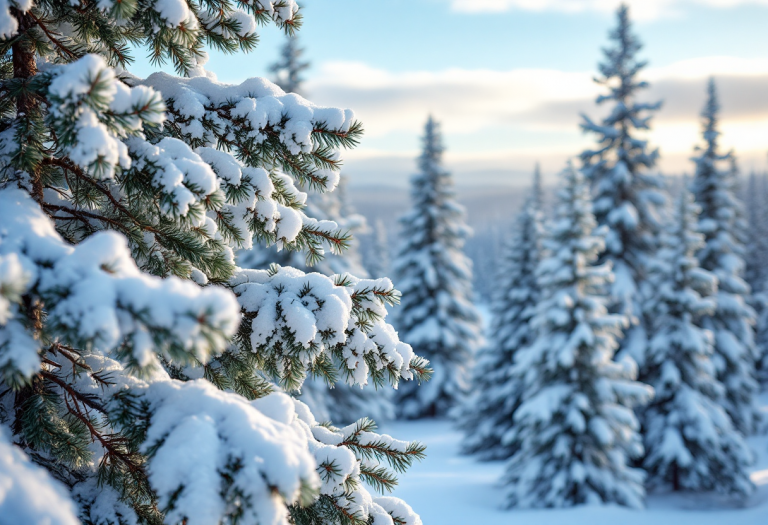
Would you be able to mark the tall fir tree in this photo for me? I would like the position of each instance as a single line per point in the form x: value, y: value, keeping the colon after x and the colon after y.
x: 377, y: 255
x: 140, y: 369
x: 575, y: 429
x: 289, y: 68
x: 690, y: 441
x: 489, y: 413
x: 437, y: 315
x: 756, y: 256
x: 732, y: 323
x: 627, y: 196
x: 756, y: 265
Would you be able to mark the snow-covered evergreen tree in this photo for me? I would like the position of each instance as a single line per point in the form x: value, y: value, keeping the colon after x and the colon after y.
x: 289, y: 68
x: 690, y: 441
x: 627, y: 196
x: 576, y: 430
x: 756, y: 264
x: 732, y: 322
x: 436, y: 316
x: 139, y: 366
x: 378, y: 261
x: 488, y: 414
x: 756, y: 256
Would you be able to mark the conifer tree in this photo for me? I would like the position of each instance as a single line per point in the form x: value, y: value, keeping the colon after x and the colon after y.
x: 756, y: 265
x: 627, y: 196
x: 488, y: 415
x: 756, y: 256
x: 722, y: 254
x: 690, y: 441
x: 140, y: 369
x: 436, y: 316
x: 575, y: 428
x: 378, y: 262
x: 289, y: 68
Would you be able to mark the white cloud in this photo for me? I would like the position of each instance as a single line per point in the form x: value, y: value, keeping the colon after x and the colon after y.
x: 641, y: 9
x: 466, y: 100
x: 500, y: 122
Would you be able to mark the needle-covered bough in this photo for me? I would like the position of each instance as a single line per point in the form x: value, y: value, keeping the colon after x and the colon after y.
x: 143, y: 375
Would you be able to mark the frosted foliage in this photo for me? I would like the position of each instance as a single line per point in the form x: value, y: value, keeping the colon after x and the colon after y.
x: 732, y: 323
x: 209, y: 450
x: 226, y: 197
x: 343, y: 403
x: 249, y: 118
x: 328, y: 207
x: 97, y: 111
x: 8, y: 23
x: 28, y: 494
x: 488, y: 414
x: 299, y: 321
x: 347, y: 456
x: 125, y: 369
x: 437, y: 316
x: 132, y: 315
x: 690, y: 441
x: 256, y: 106
x: 575, y: 430
x: 627, y: 197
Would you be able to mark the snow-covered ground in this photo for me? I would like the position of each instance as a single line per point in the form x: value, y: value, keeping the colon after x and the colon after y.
x: 450, y: 489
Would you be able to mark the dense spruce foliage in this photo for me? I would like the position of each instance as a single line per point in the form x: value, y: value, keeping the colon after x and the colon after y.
x: 141, y: 370
x: 436, y: 316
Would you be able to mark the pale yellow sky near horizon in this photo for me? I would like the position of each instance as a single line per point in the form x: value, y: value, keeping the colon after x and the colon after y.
x: 501, y: 122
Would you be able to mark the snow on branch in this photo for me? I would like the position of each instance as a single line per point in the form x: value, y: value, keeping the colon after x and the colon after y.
x: 301, y: 323
x: 99, y: 299
x: 213, y: 454
x: 29, y: 494
x: 227, y: 165
x: 261, y: 124
x: 347, y: 456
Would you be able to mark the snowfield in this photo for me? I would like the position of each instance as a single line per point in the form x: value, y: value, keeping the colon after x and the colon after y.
x: 448, y: 488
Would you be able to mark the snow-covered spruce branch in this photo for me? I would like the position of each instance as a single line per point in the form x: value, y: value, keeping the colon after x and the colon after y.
x: 104, y: 173
x: 297, y: 323
x: 352, y: 454
x: 172, y: 30
x: 95, y: 297
x: 100, y: 359
x: 141, y: 428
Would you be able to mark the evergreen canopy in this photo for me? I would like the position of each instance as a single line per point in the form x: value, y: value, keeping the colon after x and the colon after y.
x: 732, y: 322
x: 488, y: 416
x: 575, y: 433
x: 436, y: 316
x: 627, y: 196
x: 690, y: 441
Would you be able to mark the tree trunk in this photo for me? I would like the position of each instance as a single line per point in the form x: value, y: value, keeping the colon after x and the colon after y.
x: 24, y: 64
x: 25, y: 67
x: 675, y: 477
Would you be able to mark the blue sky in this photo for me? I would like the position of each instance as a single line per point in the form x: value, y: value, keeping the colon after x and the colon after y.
x: 508, y: 77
